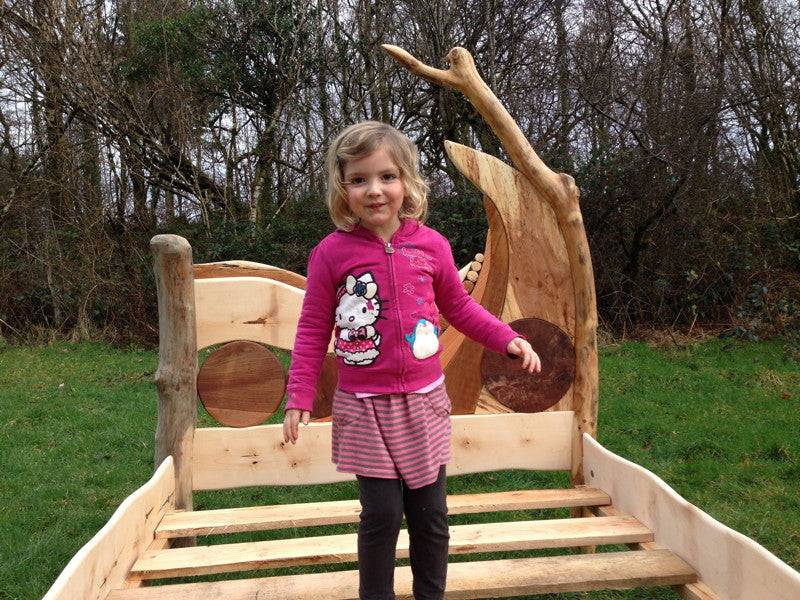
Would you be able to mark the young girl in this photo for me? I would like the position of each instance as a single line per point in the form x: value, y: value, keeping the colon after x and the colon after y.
x: 381, y: 280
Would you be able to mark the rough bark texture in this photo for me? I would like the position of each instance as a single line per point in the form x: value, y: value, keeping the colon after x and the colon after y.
x: 176, y: 378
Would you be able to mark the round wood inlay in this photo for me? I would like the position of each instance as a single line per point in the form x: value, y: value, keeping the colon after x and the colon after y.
x: 326, y: 386
x: 525, y: 392
x: 241, y: 384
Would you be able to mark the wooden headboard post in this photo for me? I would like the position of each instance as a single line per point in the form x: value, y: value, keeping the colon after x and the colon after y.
x: 176, y: 378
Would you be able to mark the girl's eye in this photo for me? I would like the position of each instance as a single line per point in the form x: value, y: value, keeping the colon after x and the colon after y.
x: 356, y: 181
x: 389, y: 177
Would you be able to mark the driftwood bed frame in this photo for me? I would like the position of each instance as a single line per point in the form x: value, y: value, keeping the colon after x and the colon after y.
x: 536, y: 269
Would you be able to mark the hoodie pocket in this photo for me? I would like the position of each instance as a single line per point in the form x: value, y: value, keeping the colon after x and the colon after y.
x: 439, y: 402
x: 347, y: 409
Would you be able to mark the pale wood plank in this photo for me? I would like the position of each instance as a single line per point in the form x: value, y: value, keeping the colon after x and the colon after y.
x: 234, y: 520
x: 227, y: 458
x: 697, y: 591
x: 246, y: 268
x: 731, y: 564
x: 464, y: 539
x: 690, y: 591
x: 465, y: 580
x: 103, y: 563
x: 247, y: 308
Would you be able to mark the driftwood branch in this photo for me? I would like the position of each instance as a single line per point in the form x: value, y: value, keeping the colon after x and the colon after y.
x: 560, y: 192
x: 464, y: 77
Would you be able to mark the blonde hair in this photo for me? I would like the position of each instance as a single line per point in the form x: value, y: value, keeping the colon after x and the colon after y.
x: 360, y: 140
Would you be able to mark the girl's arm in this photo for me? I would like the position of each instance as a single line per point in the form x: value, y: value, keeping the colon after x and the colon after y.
x: 458, y: 307
x: 313, y: 333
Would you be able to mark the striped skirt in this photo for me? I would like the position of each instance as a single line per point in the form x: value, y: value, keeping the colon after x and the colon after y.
x: 392, y: 436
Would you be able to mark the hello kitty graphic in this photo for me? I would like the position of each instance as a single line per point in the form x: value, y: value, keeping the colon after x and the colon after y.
x: 357, y: 341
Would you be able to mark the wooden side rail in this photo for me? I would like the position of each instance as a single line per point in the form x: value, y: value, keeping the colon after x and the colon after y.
x: 105, y: 561
x: 731, y: 564
x: 230, y: 458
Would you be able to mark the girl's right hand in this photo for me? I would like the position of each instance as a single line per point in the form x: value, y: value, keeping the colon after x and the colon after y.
x: 291, y: 422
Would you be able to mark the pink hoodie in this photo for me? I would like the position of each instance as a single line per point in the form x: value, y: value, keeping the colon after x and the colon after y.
x: 384, y: 299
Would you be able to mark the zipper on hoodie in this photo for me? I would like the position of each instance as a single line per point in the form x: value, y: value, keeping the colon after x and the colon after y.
x: 389, y: 250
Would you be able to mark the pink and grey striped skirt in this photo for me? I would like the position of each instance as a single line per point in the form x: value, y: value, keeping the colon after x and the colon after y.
x: 392, y: 436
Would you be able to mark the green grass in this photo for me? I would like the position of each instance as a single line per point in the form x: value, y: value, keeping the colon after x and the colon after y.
x: 718, y: 421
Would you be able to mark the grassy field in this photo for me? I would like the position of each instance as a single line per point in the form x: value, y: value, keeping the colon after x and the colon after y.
x: 718, y: 421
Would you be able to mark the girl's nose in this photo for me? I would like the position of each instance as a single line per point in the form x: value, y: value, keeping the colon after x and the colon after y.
x: 373, y: 188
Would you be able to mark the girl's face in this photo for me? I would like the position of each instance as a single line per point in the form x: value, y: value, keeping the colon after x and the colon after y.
x: 375, y: 192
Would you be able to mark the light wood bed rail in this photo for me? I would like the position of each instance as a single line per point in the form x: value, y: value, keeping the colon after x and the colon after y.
x: 228, y: 458
x: 105, y: 561
x: 733, y: 565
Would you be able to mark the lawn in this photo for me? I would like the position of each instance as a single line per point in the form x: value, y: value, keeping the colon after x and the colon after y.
x: 717, y: 420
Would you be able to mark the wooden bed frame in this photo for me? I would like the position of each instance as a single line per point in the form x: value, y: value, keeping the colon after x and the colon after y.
x: 152, y: 535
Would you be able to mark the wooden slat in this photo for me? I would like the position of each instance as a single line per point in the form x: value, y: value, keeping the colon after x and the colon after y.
x: 696, y: 591
x: 246, y: 268
x: 464, y: 539
x: 689, y: 591
x: 731, y: 564
x: 257, y: 518
x: 246, y: 308
x: 231, y: 458
x: 465, y: 580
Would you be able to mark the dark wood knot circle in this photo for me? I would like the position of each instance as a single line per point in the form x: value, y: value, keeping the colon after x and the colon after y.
x: 524, y: 392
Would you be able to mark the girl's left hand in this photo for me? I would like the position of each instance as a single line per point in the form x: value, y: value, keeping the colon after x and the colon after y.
x: 530, y: 360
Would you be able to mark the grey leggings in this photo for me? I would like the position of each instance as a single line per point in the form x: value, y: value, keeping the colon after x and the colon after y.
x: 383, y: 502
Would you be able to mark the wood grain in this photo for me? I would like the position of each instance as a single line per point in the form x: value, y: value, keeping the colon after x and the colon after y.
x: 176, y: 377
x: 245, y: 268
x: 532, y: 392
x: 247, y: 308
x: 241, y: 384
x: 732, y: 565
x: 228, y: 458
x: 465, y: 580
x: 539, y: 282
x: 257, y: 518
x: 464, y: 539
